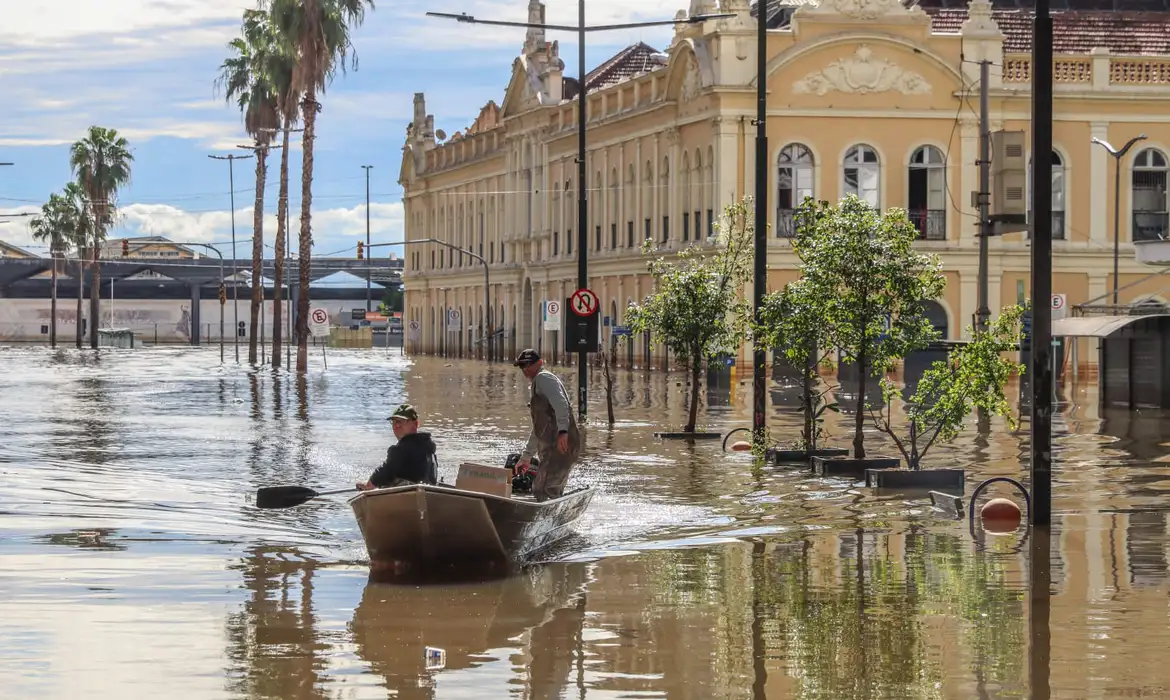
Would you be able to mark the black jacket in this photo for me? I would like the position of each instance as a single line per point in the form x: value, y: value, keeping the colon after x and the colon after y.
x: 411, y: 461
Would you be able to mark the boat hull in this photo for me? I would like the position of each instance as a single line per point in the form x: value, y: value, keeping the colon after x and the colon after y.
x: 432, y: 526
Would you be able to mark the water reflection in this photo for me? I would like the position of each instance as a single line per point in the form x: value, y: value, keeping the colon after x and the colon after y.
x: 695, y: 574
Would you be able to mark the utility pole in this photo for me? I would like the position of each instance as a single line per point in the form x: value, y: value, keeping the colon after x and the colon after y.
x: 983, y: 312
x: 367, y: 169
x: 231, y: 158
x: 759, y: 358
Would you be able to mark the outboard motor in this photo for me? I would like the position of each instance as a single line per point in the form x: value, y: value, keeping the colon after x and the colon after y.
x: 521, y: 482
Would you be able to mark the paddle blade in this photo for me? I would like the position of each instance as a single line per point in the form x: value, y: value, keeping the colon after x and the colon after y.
x: 283, y: 496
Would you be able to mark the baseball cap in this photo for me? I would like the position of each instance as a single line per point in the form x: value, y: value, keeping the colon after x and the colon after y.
x: 404, y: 411
x: 526, y: 357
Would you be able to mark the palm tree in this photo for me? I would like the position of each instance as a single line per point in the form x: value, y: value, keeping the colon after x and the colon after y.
x: 318, y: 33
x: 79, y: 214
x: 101, y: 162
x: 57, y: 226
x: 248, y: 78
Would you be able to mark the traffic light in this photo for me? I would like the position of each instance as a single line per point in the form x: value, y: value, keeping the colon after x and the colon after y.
x: 125, y: 248
x: 361, y: 247
x: 222, y: 294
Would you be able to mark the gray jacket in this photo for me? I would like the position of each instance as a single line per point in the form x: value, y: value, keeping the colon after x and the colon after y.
x: 551, y: 414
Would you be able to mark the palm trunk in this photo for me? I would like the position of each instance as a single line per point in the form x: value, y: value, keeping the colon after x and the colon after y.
x: 696, y: 370
x: 257, y: 251
x: 309, y: 110
x: 95, y: 294
x: 281, y: 232
x: 53, y: 306
x: 80, y: 291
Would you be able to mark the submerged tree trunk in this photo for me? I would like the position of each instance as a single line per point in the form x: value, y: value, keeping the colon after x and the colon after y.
x: 53, y: 305
x: 81, y: 253
x: 309, y: 110
x: 257, y: 252
x: 608, y: 358
x: 810, y: 435
x: 859, y: 417
x: 281, y: 232
x: 95, y: 293
x: 692, y: 418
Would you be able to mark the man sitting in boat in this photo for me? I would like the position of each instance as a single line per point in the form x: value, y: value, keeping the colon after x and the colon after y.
x: 411, y: 460
x: 555, y: 437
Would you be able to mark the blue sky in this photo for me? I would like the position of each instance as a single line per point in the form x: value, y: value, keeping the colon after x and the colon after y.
x: 147, y: 68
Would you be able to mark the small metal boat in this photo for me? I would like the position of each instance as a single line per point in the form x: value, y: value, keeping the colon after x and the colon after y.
x: 440, y: 526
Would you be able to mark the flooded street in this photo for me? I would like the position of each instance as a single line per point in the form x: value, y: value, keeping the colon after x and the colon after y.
x: 133, y: 562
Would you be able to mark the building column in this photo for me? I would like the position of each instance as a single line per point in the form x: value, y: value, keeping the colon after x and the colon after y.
x: 969, y: 298
x: 196, y: 299
x: 1099, y: 162
x: 724, y: 169
x: 968, y: 181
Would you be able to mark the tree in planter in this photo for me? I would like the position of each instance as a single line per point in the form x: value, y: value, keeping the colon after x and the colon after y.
x: 861, y: 268
x: 791, y: 322
x: 973, y: 376
x: 608, y: 363
x: 696, y: 311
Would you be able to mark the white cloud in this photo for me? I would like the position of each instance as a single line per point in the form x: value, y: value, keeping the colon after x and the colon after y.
x: 334, y: 229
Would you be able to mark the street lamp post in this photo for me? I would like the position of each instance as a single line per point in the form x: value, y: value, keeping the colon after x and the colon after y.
x: 487, y: 283
x: 582, y: 114
x: 1118, y: 154
x: 367, y: 169
x: 231, y: 158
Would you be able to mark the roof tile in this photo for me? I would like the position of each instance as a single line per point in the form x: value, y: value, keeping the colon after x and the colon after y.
x: 1077, y: 32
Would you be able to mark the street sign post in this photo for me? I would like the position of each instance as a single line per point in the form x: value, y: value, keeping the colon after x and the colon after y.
x: 1059, y: 306
x: 454, y: 320
x: 584, y: 302
x: 318, y: 322
x: 552, y: 315
x: 412, y: 331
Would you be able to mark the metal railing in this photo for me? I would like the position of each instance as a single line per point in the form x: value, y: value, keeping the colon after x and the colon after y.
x: 1151, y: 225
x: 931, y: 223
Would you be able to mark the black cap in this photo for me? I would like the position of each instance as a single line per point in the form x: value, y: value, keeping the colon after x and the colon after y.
x: 526, y: 357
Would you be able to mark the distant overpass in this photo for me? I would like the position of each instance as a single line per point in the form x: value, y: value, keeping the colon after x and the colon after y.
x: 206, y: 270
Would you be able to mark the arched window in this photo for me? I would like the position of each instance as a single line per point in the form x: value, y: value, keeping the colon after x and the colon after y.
x: 712, y: 192
x: 648, y: 202
x: 614, y: 206
x: 631, y: 204
x: 685, y: 192
x: 1150, y: 204
x: 570, y: 216
x: 928, y: 193
x: 863, y: 175
x: 795, y: 181
x: 1057, y: 196
x: 664, y: 199
x: 697, y: 194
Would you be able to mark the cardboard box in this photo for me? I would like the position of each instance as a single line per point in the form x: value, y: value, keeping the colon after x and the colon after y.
x: 481, y: 478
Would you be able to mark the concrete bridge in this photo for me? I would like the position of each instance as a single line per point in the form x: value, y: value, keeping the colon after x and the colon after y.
x: 206, y: 270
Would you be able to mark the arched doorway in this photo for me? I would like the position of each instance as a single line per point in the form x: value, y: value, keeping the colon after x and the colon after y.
x: 937, y: 315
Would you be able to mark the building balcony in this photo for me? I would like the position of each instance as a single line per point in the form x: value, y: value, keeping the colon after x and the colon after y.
x: 1151, y: 225
x: 785, y: 223
x: 931, y: 223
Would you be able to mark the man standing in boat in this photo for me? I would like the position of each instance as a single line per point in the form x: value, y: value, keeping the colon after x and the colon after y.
x: 555, y: 437
x: 411, y: 460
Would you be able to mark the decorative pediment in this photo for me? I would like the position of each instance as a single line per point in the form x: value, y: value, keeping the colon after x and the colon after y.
x: 524, y: 91
x: 862, y: 74
x: 858, y: 9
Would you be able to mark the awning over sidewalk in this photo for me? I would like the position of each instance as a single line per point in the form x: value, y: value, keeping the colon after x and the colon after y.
x: 1096, y: 326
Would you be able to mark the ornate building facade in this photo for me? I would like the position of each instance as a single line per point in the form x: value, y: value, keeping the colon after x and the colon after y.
x: 878, y: 99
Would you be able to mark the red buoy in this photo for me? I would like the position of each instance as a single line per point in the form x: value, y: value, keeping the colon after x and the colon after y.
x: 1000, y: 516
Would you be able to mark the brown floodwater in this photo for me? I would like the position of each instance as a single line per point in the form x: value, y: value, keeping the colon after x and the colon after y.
x: 133, y: 563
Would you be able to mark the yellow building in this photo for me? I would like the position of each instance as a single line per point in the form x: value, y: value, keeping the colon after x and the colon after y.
x: 864, y: 96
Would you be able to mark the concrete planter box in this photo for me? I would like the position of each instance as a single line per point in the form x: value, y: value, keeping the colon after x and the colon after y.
x: 948, y: 479
x: 779, y: 457
x: 698, y: 435
x: 848, y: 466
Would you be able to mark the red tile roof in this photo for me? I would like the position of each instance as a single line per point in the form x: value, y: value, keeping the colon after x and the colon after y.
x: 1075, y: 32
x: 627, y: 63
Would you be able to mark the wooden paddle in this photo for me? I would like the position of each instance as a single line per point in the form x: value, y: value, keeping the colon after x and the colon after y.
x: 289, y: 496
